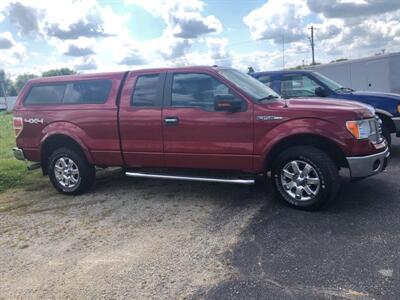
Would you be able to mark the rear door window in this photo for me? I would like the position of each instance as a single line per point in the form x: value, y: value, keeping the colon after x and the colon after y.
x: 146, y: 92
x: 45, y: 94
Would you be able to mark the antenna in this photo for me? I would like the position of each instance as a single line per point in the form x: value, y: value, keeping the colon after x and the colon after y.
x: 283, y: 51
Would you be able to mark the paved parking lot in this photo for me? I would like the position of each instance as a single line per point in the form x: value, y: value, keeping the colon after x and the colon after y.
x: 155, y: 239
x: 351, y: 250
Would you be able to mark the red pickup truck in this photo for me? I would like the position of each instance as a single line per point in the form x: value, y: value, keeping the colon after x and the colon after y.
x: 195, y: 123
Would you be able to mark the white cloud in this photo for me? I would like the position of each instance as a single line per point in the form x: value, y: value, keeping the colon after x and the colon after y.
x: 344, y: 28
x: 6, y: 40
x: 278, y: 20
x: 84, y: 64
x: 95, y: 37
x: 63, y: 19
x: 352, y: 9
x: 183, y: 19
x: 12, y: 52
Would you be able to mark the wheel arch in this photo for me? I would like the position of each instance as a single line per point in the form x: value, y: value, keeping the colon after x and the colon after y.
x: 387, y: 120
x: 56, y: 141
x: 307, y: 139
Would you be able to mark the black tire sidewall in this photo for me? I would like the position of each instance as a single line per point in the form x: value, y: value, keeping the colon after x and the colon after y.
x: 326, y: 187
x: 86, y: 171
x: 386, y: 134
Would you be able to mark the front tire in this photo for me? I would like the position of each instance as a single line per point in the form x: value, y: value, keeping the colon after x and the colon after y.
x: 305, y: 177
x: 69, y: 172
x: 386, y: 134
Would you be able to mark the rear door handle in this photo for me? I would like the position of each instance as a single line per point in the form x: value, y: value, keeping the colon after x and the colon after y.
x: 171, y: 121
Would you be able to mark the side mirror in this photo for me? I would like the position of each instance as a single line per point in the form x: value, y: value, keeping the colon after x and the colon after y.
x: 321, y: 92
x: 227, y: 102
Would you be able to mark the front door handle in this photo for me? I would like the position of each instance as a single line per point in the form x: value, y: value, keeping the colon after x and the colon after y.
x: 171, y: 121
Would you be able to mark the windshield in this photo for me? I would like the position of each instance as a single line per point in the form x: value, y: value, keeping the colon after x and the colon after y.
x: 251, y: 86
x: 333, y: 85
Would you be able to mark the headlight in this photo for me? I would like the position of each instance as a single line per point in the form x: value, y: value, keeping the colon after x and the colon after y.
x: 361, y: 129
x: 398, y: 108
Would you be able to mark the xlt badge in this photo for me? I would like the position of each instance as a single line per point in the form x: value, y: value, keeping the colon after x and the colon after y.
x: 268, y: 118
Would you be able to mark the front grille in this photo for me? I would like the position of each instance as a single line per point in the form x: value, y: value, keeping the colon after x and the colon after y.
x: 376, y: 136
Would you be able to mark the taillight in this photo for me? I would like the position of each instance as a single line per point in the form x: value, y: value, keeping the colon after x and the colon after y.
x: 18, y: 125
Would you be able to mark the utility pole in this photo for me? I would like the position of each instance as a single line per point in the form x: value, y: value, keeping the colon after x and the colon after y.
x: 312, y: 44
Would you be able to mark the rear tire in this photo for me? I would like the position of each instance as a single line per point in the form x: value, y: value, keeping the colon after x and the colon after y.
x: 305, y: 177
x: 70, y: 172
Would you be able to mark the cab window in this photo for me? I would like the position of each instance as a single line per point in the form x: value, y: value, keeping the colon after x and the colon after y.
x: 266, y: 79
x: 293, y: 86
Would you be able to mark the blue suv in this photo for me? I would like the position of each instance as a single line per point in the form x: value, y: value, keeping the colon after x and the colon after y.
x: 306, y: 83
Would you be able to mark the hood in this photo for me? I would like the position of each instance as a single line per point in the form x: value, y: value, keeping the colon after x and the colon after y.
x: 363, y: 111
x: 384, y: 101
x: 382, y: 95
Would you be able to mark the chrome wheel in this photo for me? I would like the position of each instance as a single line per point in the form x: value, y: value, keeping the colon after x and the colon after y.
x: 300, y: 180
x: 67, y: 173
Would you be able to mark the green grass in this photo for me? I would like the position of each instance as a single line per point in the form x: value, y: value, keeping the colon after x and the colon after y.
x: 13, y: 173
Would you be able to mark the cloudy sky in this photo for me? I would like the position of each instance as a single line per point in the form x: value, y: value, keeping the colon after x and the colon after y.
x: 106, y: 35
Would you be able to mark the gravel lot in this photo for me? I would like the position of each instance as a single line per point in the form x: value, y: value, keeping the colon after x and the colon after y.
x: 159, y: 239
x: 128, y: 238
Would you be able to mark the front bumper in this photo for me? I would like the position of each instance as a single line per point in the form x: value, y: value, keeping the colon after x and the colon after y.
x: 396, y: 121
x: 365, y: 166
x: 18, y: 153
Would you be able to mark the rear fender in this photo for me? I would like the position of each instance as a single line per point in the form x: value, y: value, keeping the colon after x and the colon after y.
x: 70, y: 130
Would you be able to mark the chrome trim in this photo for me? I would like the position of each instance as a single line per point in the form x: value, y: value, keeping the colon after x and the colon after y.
x: 34, y: 166
x: 189, y: 178
x: 363, y: 166
x: 300, y: 180
x: 18, y: 153
x: 383, y: 112
x: 66, y: 172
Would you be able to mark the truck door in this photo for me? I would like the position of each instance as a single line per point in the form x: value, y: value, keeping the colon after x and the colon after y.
x: 197, y: 136
x: 140, y: 119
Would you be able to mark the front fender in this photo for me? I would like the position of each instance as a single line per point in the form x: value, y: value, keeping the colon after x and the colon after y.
x: 296, y: 127
x: 68, y: 129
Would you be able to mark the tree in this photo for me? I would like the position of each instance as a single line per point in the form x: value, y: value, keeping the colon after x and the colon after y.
x: 22, y: 80
x: 6, y: 86
x: 58, y: 72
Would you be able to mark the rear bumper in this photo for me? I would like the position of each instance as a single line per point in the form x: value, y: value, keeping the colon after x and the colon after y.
x: 396, y: 121
x: 18, y: 153
x: 365, y: 166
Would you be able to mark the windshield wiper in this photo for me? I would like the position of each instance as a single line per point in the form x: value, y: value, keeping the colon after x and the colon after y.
x: 269, y: 97
x: 344, y: 89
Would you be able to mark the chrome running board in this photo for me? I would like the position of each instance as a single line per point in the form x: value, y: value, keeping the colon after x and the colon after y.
x: 190, y: 178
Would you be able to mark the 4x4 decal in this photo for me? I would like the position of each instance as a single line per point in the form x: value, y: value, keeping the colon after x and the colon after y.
x: 33, y: 120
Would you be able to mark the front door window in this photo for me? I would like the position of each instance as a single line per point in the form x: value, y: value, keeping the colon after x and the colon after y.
x: 293, y: 86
